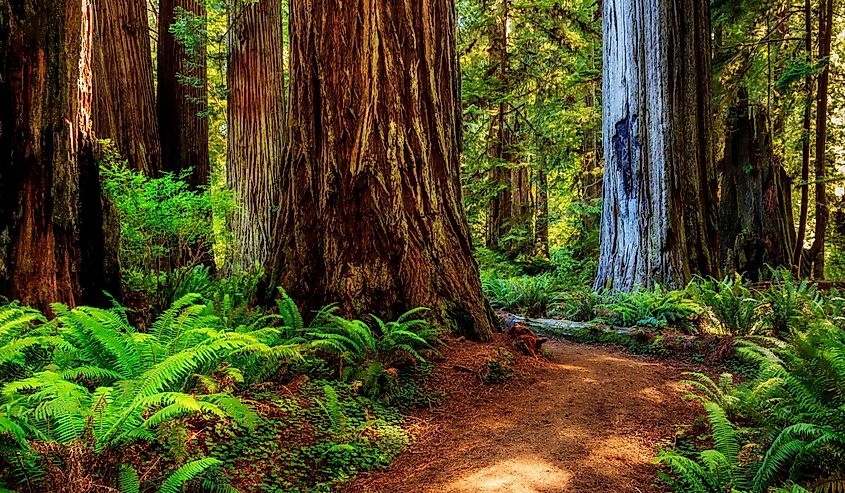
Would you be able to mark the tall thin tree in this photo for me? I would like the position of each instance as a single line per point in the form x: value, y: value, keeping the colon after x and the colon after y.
x: 804, y: 206
x: 499, y: 150
x: 372, y: 215
x: 182, y: 94
x: 817, y: 249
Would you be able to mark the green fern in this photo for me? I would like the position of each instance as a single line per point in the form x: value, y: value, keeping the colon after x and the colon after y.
x: 111, y: 386
x: 189, y: 472
x: 730, y: 305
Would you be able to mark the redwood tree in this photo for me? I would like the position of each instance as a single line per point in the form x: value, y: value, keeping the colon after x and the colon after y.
x: 371, y: 214
x: 255, y: 126
x: 804, y: 206
x: 51, y: 220
x: 124, y: 97
x: 658, y: 221
x: 184, y: 132
x: 755, y: 211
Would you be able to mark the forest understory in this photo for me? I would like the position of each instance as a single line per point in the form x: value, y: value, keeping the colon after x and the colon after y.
x: 320, y: 246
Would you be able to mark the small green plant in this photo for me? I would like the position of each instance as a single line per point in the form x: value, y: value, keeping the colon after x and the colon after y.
x: 498, y: 367
x: 373, y: 356
x: 730, y: 305
x: 310, y: 440
x: 657, y: 307
x: 718, y: 469
x: 580, y: 306
x: 25, y: 344
x: 789, y: 303
x: 526, y: 295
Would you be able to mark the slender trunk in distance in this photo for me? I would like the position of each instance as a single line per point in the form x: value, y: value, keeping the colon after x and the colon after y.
x: 822, y: 103
x: 184, y: 131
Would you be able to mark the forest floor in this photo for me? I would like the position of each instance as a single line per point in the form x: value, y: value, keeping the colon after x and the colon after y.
x: 588, y: 419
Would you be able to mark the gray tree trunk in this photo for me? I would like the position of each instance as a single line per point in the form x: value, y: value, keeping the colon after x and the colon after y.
x: 658, y: 221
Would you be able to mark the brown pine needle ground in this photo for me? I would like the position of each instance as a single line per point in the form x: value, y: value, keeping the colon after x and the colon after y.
x: 588, y: 420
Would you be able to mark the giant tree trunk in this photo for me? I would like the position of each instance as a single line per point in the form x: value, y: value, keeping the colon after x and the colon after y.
x: 371, y: 214
x: 658, y: 222
x: 124, y: 97
x: 256, y: 126
x: 822, y: 212
x: 51, y: 219
x: 184, y: 132
x: 755, y: 224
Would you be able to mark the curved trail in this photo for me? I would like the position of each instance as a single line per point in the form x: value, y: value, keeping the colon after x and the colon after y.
x: 589, y: 420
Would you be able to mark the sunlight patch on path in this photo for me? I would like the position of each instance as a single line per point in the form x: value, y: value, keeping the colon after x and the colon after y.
x: 518, y: 475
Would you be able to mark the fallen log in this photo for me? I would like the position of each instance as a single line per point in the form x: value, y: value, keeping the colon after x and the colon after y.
x: 551, y: 327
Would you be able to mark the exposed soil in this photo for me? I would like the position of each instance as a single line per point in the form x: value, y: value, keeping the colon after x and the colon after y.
x: 587, y: 420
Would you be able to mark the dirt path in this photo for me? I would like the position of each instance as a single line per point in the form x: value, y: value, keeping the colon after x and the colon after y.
x: 589, y: 420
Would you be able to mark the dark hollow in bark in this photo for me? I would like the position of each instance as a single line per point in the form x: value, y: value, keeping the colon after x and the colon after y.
x: 371, y: 214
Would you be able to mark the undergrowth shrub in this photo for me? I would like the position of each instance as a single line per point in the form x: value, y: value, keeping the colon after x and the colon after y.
x: 166, y: 227
x: 657, y: 307
x: 784, y: 429
x: 526, y: 295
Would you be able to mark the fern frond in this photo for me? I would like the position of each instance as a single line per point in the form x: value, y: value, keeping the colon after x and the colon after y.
x: 127, y: 480
x: 188, y: 472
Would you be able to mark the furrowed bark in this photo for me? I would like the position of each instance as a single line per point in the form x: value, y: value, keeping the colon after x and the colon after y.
x: 124, y: 97
x: 371, y: 214
x: 658, y: 223
x: 51, y: 215
x: 256, y: 127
